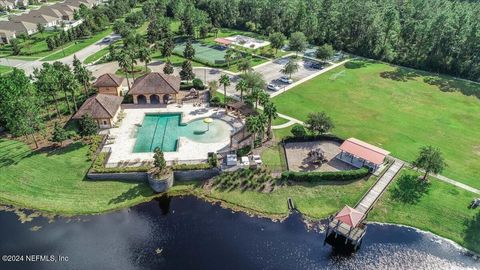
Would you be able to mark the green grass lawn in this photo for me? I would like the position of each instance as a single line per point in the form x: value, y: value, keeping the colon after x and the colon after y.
x: 138, y: 71
x: 273, y: 158
x: 5, y: 69
x: 397, y: 109
x: 314, y: 200
x: 443, y: 211
x: 279, y: 121
x: 96, y: 56
x: 78, y: 45
x: 54, y: 182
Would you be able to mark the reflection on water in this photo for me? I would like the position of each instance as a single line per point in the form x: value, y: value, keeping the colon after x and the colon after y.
x: 187, y: 233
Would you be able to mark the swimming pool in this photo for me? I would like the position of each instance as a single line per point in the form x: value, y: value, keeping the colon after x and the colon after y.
x: 163, y: 130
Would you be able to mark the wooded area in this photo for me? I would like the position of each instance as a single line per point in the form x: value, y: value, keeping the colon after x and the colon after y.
x: 436, y: 35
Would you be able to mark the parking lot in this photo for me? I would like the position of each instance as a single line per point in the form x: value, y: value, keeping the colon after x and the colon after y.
x: 272, y: 71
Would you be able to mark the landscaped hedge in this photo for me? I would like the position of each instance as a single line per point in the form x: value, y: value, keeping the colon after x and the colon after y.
x: 191, y: 167
x: 325, y: 176
x: 308, y: 138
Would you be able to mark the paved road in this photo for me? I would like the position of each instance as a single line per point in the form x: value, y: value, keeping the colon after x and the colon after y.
x: 29, y: 66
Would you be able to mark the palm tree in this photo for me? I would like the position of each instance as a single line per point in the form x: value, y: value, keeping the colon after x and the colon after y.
x: 263, y: 97
x: 270, y: 111
x: 244, y: 65
x: 124, y: 61
x: 83, y: 77
x: 254, y: 125
x: 256, y: 92
x: 241, y: 86
x: 290, y: 67
x: 228, y: 57
x: 145, y: 55
x: 225, y: 81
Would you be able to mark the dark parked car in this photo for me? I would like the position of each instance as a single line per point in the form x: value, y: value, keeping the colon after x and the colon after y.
x: 316, y: 65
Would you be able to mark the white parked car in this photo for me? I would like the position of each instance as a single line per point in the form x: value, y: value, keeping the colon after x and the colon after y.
x: 285, y: 79
x: 245, y: 161
x: 231, y: 160
x: 257, y: 159
x: 273, y: 87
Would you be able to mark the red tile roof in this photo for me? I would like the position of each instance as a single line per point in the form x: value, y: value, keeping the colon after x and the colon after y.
x: 364, y: 150
x: 223, y: 41
x: 349, y: 216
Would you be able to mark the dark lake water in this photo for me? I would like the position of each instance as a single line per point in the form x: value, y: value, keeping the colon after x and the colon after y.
x: 188, y: 233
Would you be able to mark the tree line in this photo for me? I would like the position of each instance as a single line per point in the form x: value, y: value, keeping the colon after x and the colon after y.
x: 26, y: 102
x: 435, y: 35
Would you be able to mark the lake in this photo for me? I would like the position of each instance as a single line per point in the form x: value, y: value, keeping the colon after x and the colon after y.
x: 189, y: 233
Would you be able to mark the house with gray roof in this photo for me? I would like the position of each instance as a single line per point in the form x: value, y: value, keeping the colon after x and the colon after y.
x: 11, y: 29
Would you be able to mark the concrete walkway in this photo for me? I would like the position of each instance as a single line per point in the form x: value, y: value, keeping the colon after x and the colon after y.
x: 380, y: 186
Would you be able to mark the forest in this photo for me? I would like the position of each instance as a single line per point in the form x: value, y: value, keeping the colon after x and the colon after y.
x: 436, y: 35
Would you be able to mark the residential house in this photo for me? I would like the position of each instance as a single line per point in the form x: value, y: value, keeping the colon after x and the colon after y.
x: 109, y: 84
x: 104, y: 109
x: 11, y: 29
x: 155, y: 87
x: 7, y: 4
x: 65, y: 10
x: 37, y: 17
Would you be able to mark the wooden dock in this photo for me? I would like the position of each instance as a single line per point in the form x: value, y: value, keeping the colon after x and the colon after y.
x: 372, y: 196
x: 340, y: 234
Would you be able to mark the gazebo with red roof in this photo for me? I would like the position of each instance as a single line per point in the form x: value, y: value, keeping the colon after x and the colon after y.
x: 349, y: 216
x: 361, y: 154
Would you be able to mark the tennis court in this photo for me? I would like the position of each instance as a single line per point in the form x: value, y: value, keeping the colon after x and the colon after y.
x: 205, y: 53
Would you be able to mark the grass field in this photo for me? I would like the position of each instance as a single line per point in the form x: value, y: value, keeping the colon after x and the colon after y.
x: 5, y: 69
x: 54, y: 182
x: 96, y: 56
x: 314, y: 200
x: 443, y: 211
x: 398, y: 109
x: 78, y: 45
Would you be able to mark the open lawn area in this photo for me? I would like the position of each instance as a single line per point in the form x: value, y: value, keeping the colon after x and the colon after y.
x: 78, y: 45
x: 54, y: 182
x: 5, y: 69
x: 442, y: 210
x: 314, y: 200
x: 398, y: 109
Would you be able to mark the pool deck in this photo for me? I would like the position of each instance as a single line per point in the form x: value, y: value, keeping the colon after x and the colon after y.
x: 188, y: 151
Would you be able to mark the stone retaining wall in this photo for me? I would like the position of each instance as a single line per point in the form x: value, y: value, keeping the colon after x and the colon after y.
x: 196, y: 175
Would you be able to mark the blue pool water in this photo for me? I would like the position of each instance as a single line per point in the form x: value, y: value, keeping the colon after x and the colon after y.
x: 163, y: 130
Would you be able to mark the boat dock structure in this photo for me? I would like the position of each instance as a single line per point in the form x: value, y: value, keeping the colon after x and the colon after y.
x: 347, y: 228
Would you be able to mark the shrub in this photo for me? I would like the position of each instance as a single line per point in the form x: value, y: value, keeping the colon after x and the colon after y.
x: 325, y: 176
x: 308, y: 138
x: 244, y: 151
x: 198, y: 84
x: 215, y: 101
x: 213, y: 160
x: 298, y: 131
x: 191, y: 167
x: 94, y: 143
